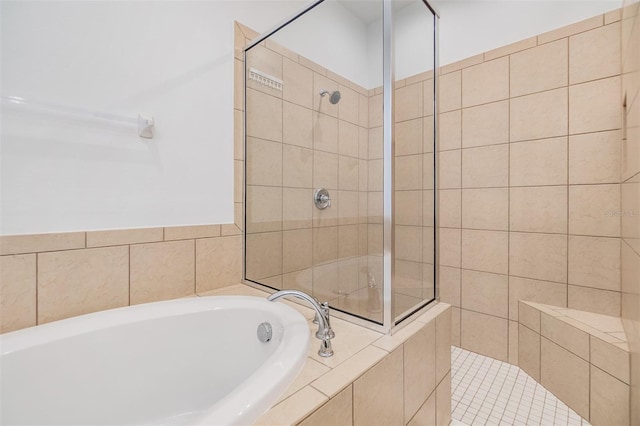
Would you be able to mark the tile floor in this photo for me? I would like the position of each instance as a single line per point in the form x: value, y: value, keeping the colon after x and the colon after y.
x: 486, y: 391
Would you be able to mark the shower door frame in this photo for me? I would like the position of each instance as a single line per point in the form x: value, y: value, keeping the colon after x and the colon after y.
x: 389, y: 322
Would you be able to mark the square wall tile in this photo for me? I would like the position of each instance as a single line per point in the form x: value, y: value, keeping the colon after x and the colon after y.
x: 485, y: 167
x: 264, y: 208
x: 348, y: 173
x: 594, y: 300
x: 325, y: 170
x: 450, y: 281
x: 218, y: 262
x: 18, y: 290
x: 296, y: 250
x: 263, y: 255
x: 325, y: 244
x: 443, y: 402
x: 450, y: 175
x: 450, y: 246
x: 538, y: 209
x: 609, y: 399
x: 566, y: 375
x: 592, y: 210
x: 485, y: 293
x: 297, y: 125
x: 161, y: 271
x: 408, y: 243
x: 419, y: 368
x: 538, y: 256
x: 485, y: 82
x: 529, y: 316
x: 349, y: 106
x: 595, y: 106
x: 450, y: 208
x: 450, y: 130
x: 529, y: 351
x: 443, y: 344
x: 408, y: 208
x: 594, y: 54
x: 408, y: 102
x: 538, y: 69
x: 297, y: 167
x: 298, y: 83
x: 426, y: 415
x: 377, y: 394
x: 296, y: 208
x: 485, y: 251
x: 513, y: 342
x: 567, y: 336
x: 408, y: 135
x: 485, y: 124
x: 450, y: 91
x: 546, y: 292
x: 486, y: 208
x: 264, y: 162
x: 540, y: 115
x: 484, y: 334
x: 264, y: 116
x: 594, y: 262
x: 594, y: 158
x: 77, y: 282
x: 408, y: 172
x: 325, y: 133
x: 338, y: 410
x: 610, y: 359
x: 539, y: 162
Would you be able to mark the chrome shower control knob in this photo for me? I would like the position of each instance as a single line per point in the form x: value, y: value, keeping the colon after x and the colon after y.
x: 321, y: 198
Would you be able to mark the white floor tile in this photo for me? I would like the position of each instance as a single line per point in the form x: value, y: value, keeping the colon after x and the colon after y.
x: 492, y: 392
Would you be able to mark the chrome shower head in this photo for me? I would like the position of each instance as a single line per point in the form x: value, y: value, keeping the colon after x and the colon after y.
x: 334, y: 98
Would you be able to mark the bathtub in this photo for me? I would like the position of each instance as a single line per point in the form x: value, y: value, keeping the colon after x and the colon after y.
x: 195, y: 361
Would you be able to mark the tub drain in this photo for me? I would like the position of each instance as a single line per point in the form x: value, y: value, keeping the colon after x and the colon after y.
x: 265, y: 332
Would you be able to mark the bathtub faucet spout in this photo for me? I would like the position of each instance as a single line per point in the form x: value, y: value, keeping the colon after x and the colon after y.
x: 324, y: 333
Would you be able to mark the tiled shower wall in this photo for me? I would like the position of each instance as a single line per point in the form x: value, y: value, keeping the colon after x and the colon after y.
x: 630, y: 195
x: 529, y: 179
x: 298, y: 141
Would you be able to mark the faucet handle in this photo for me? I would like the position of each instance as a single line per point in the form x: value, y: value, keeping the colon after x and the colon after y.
x: 328, y: 333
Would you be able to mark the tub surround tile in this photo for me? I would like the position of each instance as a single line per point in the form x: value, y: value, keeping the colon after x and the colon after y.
x: 291, y: 410
x: 310, y: 372
x: 426, y: 415
x: 377, y: 395
x: 419, y: 368
x: 161, y: 271
x: 17, y: 292
x: 124, y: 236
x: 218, y: 262
x: 337, y: 411
x: 191, y: 232
x: 37, y: 243
x: 77, y: 282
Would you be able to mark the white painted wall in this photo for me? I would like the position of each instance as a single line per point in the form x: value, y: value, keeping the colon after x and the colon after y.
x: 470, y: 27
x: 174, y: 60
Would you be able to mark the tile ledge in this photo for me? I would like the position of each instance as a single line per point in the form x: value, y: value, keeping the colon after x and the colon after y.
x: 571, y: 317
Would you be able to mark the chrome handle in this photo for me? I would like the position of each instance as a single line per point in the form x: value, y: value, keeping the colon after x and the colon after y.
x: 321, y: 198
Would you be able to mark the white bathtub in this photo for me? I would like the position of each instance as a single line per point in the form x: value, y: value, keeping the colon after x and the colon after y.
x: 194, y: 361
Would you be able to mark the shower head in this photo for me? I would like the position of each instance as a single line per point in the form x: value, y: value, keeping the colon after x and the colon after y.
x: 334, y: 98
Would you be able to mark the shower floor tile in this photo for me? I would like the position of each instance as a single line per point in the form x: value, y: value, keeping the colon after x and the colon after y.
x: 485, y: 391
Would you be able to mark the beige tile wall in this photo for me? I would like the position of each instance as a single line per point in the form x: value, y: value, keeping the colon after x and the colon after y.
x: 586, y: 367
x: 49, y: 277
x: 299, y: 141
x: 630, y: 195
x: 529, y: 181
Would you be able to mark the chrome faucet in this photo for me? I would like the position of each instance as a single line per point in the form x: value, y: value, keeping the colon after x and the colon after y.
x: 324, y: 333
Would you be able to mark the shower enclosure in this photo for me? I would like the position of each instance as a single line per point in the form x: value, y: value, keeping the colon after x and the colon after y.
x: 340, y: 132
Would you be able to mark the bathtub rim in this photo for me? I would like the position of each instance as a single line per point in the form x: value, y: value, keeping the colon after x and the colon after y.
x: 263, y: 387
